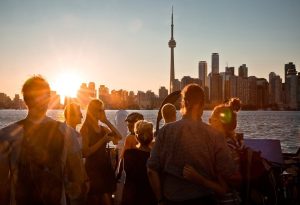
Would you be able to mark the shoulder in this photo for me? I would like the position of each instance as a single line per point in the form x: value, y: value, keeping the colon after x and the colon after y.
x: 70, y: 136
x: 11, y: 132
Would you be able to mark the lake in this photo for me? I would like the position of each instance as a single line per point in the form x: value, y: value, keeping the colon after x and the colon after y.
x: 282, y: 125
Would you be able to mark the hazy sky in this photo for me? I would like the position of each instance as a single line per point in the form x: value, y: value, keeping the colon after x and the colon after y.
x: 124, y: 44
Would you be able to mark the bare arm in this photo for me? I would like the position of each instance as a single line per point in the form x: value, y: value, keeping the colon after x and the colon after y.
x: 155, y: 183
x: 117, y: 135
x: 88, y: 151
x: 219, y: 187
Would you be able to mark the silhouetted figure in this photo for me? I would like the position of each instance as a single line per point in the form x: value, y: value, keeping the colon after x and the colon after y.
x: 137, y: 189
x: 188, y: 141
x: 130, y: 140
x: 43, y: 153
x: 94, y: 147
x: 223, y: 119
x: 168, y: 112
x: 73, y: 117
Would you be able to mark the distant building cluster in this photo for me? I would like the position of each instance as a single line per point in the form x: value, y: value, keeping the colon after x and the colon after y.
x: 118, y: 99
x: 255, y: 93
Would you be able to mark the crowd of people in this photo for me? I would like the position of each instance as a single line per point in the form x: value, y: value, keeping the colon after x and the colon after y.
x: 43, y: 161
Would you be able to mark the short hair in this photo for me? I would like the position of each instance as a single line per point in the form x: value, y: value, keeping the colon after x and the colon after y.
x: 70, y: 109
x: 168, y: 111
x: 191, y: 95
x: 33, y: 86
x: 144, y: 131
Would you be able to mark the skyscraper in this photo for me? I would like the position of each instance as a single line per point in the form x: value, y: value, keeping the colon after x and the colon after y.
x: 243, y: 71
x: 172, y: 45
x: 202, y: 72
x: 215, y: 63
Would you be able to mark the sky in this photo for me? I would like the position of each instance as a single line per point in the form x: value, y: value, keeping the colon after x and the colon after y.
x: 123, y: 44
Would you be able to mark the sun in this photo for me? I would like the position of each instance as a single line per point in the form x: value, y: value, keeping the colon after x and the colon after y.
x: 67, y: 84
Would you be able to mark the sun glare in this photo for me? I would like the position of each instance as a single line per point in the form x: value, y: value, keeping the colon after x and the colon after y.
x: 67, y: 84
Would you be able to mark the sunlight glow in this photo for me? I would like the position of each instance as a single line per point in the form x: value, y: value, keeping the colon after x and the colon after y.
x: 67, y: 84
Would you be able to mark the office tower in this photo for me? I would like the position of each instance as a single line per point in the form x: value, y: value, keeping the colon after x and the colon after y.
x: 243, y: 71
x: 176, y: 85
x: 262, y: 93
x: 172, y: 45
x: 202, y: 73
x: 186, y: 80
x: 242, y: 89
x: 275, y: 89
x: 215, y: 63
x: 229, y: 70
x: 292, y: 82
x: 92, y: 89
x: 162, y: 92
x: 289, y: 66
x: 216, y: 89
x: 252, y: 91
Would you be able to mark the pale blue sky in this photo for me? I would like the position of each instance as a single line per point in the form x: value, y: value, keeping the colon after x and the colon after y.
x: 124, y: 44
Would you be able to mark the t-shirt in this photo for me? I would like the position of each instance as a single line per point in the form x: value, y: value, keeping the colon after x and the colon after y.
x: 194, y: 143
x: 71, y: 157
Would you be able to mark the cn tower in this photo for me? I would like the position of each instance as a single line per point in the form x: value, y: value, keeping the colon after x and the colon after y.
x: 172, y: 45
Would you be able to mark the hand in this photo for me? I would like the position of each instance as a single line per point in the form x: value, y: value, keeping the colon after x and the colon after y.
x: 108, y: 137
x: 189, y: 172
x: 103, y: 117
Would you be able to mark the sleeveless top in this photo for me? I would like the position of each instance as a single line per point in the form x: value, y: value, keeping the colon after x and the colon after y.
x: 98, y: 165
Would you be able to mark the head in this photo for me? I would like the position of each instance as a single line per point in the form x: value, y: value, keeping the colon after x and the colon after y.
x: 168, y: 112
x: 192, y: 100
x: 36, y: 93
x: 73, y: 114
x: 95, y: 111
x: 131, y: 119
x: 235, y: 104
x: 223, y: 118
x: 144, y: 132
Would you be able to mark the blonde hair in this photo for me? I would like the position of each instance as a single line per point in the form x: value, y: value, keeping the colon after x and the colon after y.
x: 144, y: 131
x: 168, y: 112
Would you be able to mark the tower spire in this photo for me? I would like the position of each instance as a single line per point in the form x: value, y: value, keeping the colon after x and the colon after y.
x: 172, y: 45
x: 172, y: 26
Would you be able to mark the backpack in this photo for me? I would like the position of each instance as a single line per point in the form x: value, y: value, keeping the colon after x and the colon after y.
x: 258, y: 182
x: 40, y: 169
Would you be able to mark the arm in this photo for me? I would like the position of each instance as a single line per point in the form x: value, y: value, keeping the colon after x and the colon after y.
x: 219, y: 187
x: 89, y: 150
x: 154, y: 180
x: 130, y: 143
x: 5, y: 149
x: 117, y: 135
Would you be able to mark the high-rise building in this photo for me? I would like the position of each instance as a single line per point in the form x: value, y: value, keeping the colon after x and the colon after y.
x: 289, y: 66
x: 292, y: 82
x: 162, y: 92
x: 243, y: 71
x: 252, y: 89
x: 215, y: 63
x: 83, y: 95
x: 242, y: 89
x: 216, y: 95
x: 202, y: 72
x: 229, y: 70
x: 172, y: 45
x: 262, y: 93
x: 275, y: 89
x: 92, y: 89
x: 186, y: 80
x: 176, y: 85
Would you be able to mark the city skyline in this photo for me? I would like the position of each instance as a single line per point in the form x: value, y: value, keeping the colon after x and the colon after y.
x: 123, y: 45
